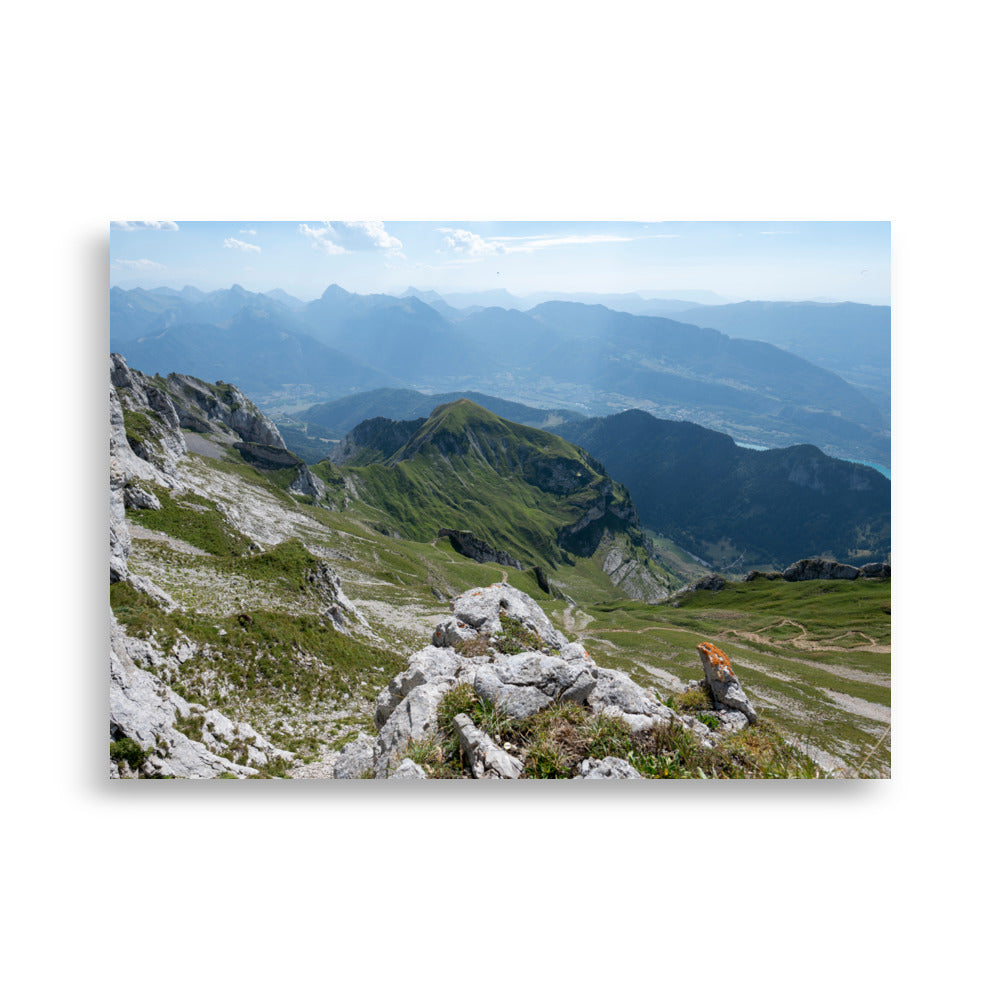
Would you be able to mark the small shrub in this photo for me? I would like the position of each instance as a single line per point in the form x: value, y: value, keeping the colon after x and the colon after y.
x: 712, y: 721
x: 192, y: 726
x: 461, y: 698
x: 128, y: 751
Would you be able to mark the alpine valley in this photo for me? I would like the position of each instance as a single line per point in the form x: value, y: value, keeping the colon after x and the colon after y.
x: 397, y: 537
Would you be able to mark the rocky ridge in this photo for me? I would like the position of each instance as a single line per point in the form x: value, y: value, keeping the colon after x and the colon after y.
x: 467, y: 649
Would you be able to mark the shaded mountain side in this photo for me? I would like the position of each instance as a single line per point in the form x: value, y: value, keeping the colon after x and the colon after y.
x: 518, y: 490
x: 722, y: 502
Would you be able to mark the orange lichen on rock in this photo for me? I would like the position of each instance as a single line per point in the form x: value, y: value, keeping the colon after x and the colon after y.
x: 717, y: 659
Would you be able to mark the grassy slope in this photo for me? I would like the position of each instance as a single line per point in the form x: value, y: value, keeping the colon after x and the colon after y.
x: 466, y: 468
x: 795, y: 647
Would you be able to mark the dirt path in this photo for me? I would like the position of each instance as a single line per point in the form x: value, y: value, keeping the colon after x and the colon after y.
x: 808, y: 645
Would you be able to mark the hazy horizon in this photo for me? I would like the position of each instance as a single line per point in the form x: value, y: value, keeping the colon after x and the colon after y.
x: 736, y: 261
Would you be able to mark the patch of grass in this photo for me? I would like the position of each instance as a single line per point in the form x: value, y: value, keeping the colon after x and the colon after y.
x: 515, y: 637
x: 606, y: 736
x: 195, y: 520
x: 138, y: 429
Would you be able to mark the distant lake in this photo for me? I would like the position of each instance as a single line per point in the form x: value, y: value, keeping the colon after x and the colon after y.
x: 871, y: 465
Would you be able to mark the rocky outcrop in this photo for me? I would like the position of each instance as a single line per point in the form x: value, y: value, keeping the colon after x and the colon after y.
x: 466, y: 544
x: 820, y: 569
x: 605, y: 514
x: 148, y: 712
x: 721, y: 679
x: 632, y: 575
x: 307, y: 483
x: 467, y: 649
x: 876, y: 571
x: 199, y: 404
x: 152, y: 430
x: 823, y: 569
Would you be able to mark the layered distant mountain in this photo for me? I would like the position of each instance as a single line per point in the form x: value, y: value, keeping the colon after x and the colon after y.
x: 261, y: 348
x: 736, y: 507
x: 848, y: 338
x: 556, y: 355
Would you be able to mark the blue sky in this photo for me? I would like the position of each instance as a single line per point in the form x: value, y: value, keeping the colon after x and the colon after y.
x: 736, y: 260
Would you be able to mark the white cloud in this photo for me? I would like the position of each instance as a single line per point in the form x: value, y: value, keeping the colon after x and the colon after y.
x: 248, y: 232
x: 232, y: 244
x: 528, y: 244
x: 129, y: 226
x: 471, y: 244
x: 136, y: 265
x: 352, y: 237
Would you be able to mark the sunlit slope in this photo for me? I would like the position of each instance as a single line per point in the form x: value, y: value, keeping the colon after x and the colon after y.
x: 521, y: 490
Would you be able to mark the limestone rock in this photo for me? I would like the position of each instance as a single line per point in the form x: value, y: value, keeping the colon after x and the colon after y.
x: 414, y: 719
x: 430, y: 665
x: 146, y: 710
x: 722, y: 681
x: 357, y: 759
x: 485, y: 758
x: 197, y: 401
x: 481, y: 608
x: 820, y: 569
x: 307, y: 483
x: 617, y: 694
x: 876, y: 571
x: 607, y: 767
x: 408, y: 770
x: 528, y: 682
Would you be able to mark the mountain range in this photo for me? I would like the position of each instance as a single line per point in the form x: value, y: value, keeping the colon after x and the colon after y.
x: 556, y: 355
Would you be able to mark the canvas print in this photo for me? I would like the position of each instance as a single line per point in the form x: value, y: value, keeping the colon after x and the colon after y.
x: 500, y: 500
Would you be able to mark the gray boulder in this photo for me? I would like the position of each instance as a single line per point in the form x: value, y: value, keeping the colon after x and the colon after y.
x: 528, y: 682
x: 607, y: 767
x: 615, y: 693
x: 407, y: 771
x: 357, y: 759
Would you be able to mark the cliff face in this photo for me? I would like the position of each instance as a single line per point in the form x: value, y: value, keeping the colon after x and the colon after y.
x: 153, y: 730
